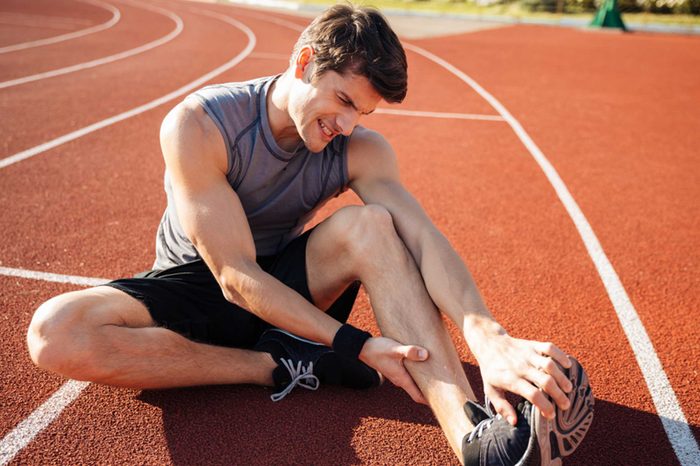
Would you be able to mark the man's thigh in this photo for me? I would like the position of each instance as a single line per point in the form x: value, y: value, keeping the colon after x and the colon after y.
x: 299, y: 267
x: 188, y: 300
x: 103, y: 305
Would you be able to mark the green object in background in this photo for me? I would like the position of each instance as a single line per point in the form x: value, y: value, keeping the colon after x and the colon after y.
x: 608, y: 16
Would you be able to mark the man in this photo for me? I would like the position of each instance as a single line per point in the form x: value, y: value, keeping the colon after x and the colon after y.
x: 239, y: 295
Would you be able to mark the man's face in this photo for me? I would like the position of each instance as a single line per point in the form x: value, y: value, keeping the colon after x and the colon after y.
x: 324, y: 106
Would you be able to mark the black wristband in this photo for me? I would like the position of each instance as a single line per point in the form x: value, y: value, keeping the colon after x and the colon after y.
x: 348, y: 341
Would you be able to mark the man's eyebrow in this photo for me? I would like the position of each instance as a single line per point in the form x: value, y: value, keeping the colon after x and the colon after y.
x: 352, y: 104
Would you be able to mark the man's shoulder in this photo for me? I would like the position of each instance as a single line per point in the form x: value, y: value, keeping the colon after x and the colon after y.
x: 365, y: 141
x: 370, y: 144
x: 189, y: 119
x: 369, y: 154
x: 243, y: 93
x: 188, y: 134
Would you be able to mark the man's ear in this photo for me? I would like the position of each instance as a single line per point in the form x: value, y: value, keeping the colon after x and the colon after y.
x: 303, y: 60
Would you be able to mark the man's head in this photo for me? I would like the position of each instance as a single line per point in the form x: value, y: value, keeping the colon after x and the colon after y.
x: 348, y: 39
x: 343, y: 65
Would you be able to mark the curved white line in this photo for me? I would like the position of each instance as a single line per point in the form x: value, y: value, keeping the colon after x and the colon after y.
x: 116, y: 14
x: 24, y: 432
x: 665, y: 400
x: 447, y: 115
x: 143, y: 108
x: 179, y: 26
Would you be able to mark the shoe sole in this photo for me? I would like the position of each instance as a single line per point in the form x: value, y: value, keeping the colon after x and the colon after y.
x: 559, y: 437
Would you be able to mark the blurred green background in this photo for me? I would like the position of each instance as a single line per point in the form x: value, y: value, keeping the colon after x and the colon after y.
x: 680, y: 12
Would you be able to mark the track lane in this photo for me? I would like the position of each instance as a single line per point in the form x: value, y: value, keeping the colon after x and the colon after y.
x: 135, y: 27
x: 119, y: 86
x: 102, y: 59
x: 47, y: 39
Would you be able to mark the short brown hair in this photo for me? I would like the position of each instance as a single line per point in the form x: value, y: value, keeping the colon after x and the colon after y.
x: 359, y: 40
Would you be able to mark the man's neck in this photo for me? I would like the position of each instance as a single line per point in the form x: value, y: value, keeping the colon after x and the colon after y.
x: 281, y: 124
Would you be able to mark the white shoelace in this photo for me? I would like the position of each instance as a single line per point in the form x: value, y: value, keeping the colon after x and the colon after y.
x: 486, y: 423
x: 481, y: 427
x: 302, y: 376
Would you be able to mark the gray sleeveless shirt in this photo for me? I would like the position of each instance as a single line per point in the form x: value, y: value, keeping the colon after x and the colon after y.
x: 279, y: 190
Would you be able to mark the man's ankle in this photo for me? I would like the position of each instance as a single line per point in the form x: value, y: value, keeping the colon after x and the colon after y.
x: 268, y: 366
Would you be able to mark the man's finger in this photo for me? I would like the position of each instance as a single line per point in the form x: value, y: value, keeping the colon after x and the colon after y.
x: 534, y: 396
x: 553, y: 351
x: 413, y: 353
x: 548, y: 384
x: 501, y: 405
x: 548, y: 365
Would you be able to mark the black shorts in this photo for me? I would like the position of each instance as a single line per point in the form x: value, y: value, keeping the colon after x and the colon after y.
x: 188, y: 300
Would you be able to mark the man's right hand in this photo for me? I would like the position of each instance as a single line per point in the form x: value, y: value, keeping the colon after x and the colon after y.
x: 387, y: 356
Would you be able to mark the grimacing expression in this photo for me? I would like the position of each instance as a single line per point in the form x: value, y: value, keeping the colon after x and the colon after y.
x: 324, y: 106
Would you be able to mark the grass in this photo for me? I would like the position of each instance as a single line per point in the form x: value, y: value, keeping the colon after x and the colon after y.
x: 511, y: 10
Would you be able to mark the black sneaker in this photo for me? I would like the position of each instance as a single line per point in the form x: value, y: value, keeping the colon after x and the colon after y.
x: 494, y: 441
x: 307, y: 364
x: 534, y: 440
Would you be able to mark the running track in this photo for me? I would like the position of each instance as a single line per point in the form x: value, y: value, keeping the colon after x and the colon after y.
x: 616, y: 115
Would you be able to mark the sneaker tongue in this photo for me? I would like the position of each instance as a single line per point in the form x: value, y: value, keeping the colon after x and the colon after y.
x: 475, y: 412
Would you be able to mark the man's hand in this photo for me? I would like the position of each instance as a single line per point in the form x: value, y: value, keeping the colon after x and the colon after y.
x: 524, y: 367
x: 387, y: 356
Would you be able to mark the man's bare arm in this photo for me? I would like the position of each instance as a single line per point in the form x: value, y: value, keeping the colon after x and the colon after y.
x: 506, y: 363
x: 214, y: 220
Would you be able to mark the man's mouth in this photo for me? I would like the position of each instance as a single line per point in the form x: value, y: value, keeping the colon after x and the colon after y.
x: 327, y: 131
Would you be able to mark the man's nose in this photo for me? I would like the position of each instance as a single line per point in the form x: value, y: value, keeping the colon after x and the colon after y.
x: 347, y: 121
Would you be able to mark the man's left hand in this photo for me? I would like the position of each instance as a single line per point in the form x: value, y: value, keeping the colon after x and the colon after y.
x: 527, y: 368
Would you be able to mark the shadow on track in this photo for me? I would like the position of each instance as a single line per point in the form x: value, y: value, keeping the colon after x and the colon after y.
x: 240, y: 425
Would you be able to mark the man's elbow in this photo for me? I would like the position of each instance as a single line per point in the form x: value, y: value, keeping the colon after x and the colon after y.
x: 241, y: 284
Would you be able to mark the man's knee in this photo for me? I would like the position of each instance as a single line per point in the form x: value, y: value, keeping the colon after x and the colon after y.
x: 367, y: 230
x: 60, y: 338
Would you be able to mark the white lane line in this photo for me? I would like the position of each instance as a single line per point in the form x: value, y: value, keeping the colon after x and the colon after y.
x: 52, y: 277
x: 456, y: 116
x: 665, y: 400
x: 109, y: 59
x: 25, y: 431
x: 29, y: 428
x: 25, y: 154
x: 116, y: 14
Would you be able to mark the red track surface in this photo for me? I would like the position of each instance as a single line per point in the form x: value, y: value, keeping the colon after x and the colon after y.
x: 617, y: 116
